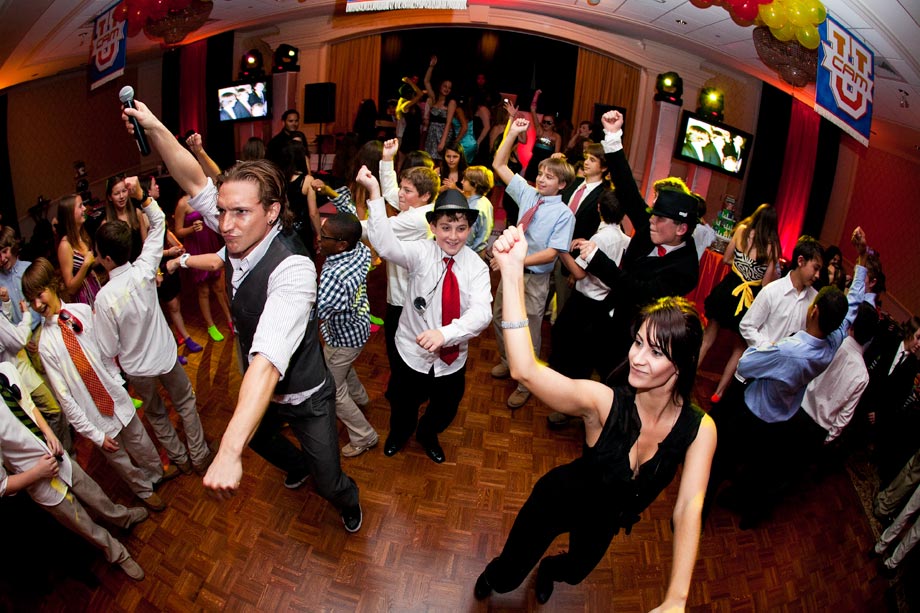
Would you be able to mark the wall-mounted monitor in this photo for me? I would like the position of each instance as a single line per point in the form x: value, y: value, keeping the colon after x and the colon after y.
x: 244, y: 101
x: 713, y: 144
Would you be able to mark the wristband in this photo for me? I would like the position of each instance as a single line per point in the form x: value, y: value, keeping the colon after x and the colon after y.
x: 140, y: 201
x: 183, y: 260
x: 510, y: 325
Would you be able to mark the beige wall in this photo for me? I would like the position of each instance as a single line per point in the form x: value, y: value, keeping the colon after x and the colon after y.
x: 54, y: 122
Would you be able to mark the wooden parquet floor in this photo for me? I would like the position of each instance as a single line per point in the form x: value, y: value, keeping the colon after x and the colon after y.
x: 428, y: 529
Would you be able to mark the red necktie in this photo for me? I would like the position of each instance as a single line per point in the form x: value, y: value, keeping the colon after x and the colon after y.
x: 450, y: 308
x: 576, y: 198
x: 96, y: 389
x: 662, y: 251
x: 525, y: 220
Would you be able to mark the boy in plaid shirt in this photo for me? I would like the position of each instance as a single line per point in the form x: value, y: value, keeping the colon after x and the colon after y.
x: 343, y: 307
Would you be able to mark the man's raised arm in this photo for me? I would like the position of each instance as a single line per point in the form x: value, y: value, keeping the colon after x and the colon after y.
x: 181, y: 163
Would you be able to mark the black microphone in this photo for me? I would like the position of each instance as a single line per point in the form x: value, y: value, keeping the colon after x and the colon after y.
x: 126, y: 95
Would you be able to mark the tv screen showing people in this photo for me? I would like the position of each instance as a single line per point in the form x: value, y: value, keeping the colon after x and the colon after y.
x: 243, y: 101
x: 712, y: 144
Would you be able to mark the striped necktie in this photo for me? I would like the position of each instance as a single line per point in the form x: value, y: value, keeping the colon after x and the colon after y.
x: 12, y: 395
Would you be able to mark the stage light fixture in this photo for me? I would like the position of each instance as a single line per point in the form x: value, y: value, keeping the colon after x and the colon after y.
x: 286, y: 58
x: 251, y: 65
x: 669, y: 87
x: 711, y: 103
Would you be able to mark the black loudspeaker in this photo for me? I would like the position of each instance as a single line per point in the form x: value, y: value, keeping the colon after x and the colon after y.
x: 319, y: 103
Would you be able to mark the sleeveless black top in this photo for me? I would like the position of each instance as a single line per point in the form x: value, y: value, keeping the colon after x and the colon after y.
x: 608, y: 459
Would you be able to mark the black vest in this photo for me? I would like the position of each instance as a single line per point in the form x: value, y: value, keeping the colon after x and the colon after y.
x: 307, y: 368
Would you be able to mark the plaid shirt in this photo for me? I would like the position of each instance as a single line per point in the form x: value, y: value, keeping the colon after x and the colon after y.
x: 343, y: 202
x: 342, y: 301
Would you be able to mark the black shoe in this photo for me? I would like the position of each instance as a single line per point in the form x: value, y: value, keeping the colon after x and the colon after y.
x: 352, y: 518
x: 432, y: 449
x: 391, y: 447
x: 295, y: 480
x: 482, y: 590
x: 544, y: 584
x: 885, y: 572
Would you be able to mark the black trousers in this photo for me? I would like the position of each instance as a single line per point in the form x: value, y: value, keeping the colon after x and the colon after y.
x: 566, y: 499
x: 756, y: 455
x: 390, y: 325
x: 313, y: 423
x: 408, y: 389
x: 581, y: 338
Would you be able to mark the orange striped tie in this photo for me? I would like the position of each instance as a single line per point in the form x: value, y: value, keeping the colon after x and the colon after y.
x: 97, y: 390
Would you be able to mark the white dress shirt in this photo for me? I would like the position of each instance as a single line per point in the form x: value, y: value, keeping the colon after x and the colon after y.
x: 831, y: 397
x: 20, y: 449
x: 129, y: 322
x: 68, y: 385
x: 424, y: 261
x: 777, y: 312
x: 291, y: 296
x: 610, y: 239
x: 409, y: 225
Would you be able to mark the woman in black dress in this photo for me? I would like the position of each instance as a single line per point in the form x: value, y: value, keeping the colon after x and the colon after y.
x: 635, y: 438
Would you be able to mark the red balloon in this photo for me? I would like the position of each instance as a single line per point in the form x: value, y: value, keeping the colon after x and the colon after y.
x: 701, y: 4
x: 135, y: 25
x: 179, y: 5
x: 764, y: 1
x: 747, y: 11
x: 121, y: 12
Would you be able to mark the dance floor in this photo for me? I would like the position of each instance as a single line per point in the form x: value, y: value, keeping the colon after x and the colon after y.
x: 428, y: 529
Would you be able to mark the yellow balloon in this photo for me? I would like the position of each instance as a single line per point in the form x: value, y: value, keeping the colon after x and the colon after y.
x: 797, y: 14
x: 817, y: 13
x: 773, y: 14
x: 808, y: 37
x: 785, y: 33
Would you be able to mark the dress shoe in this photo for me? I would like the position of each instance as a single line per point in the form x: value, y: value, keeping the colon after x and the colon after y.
x: 501, y: 371
x: 184, y: 467
x: 391, y: 447
x: 517, y: 399
x: 154, y: 502
x: 132, y: 569
x: 432, y: 449
x: 543, y: 587
x: 482, y: 589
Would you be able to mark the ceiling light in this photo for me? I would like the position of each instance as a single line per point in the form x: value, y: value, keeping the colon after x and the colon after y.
x: 903, y: 102
x: 680, y: 22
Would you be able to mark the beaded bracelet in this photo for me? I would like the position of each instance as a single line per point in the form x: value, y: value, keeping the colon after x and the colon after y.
x: 510, y: 325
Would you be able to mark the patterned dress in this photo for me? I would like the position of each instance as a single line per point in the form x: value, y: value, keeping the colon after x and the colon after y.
x: 730, y: 299
x: 87, y: 292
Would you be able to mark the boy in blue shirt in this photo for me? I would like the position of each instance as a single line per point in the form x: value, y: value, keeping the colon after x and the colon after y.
x: 548, y: 225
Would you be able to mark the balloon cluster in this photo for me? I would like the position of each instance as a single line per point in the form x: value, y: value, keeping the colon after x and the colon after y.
x: 137, y: 12
x: 787, y: 19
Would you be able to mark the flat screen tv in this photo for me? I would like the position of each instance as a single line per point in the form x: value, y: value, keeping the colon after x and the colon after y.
x: 712, y: 144
x: 244, y: 101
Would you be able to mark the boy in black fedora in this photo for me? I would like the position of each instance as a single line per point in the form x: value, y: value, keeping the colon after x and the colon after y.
x: 447, y: 304
x: 661, y: 258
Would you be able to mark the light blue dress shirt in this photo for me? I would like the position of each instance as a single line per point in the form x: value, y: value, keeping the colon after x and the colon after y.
x: 778, y: 374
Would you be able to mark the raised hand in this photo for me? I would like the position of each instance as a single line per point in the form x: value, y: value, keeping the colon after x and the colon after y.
x: 367, y: 179
x: 518, y: 126
x: 390, y: 149
x: 612, y: 121
x: 194, y: 143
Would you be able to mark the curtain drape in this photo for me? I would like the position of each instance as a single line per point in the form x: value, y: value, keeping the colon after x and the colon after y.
x: 354, y: 66
x: 605, y: 80
x: 193, y: 110
x: 798, y: 170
